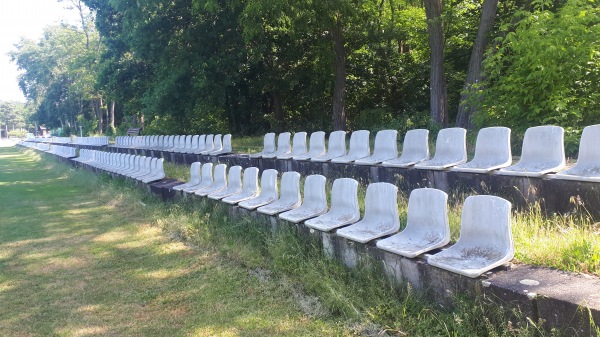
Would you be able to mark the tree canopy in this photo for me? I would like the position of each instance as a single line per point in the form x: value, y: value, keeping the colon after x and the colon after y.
x: 245, y: 67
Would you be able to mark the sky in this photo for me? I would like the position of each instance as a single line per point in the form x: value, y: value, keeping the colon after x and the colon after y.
x: 25, y: 18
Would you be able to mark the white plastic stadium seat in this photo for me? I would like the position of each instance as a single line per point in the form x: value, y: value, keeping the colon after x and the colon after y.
x: 381, y: 215
x: 219, y: 181
x: 298, y: 146
x: 415, y: 149
x: 427, y: 225
x: 268, y: 191
x: 194, y: 177
x: 234, y: 184
x: 268, y: 146
x: 588, y: 161
x: 543, y: 152
x: 316, y: 146
x: 344, y: 207
x: 283, y: 146
x: 385, y: 148
x: 450, y: 150
x: 336, y: 147
x: 250, y: 187
x: 315, y: 201
x: 359, y: 147
x: 485, y: 238
x: 289, y: 195
x: 492, y: 151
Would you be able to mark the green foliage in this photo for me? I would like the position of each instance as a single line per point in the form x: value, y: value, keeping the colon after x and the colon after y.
x: 58, y: 74
x: 17, y: 133
x: 544, y: 69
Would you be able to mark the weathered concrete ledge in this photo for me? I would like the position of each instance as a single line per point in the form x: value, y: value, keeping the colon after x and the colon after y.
x: 560, y: 299
x: 553, y: 195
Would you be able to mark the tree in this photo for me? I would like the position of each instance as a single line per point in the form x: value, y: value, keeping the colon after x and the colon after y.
x: 544, y: 69
x: 466, y: 110
x: 58, y: 75
x: 13, y: 116
x: 437, y: 77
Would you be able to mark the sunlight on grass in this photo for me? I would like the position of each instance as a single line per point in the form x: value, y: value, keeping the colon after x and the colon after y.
x: 87, y: 261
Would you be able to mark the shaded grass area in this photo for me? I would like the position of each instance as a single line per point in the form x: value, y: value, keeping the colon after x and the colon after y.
x: 80, y: 256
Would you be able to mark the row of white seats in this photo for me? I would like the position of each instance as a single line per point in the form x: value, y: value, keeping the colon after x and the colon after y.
x: 75, y: 140
x: 542, y: 152
x: 63, y: 151
x: 36, y: 145
x: 485, y: 239
x: 194, y: 144
x: 145, y: 169
x: 97, y: 141
x: 58, y: 140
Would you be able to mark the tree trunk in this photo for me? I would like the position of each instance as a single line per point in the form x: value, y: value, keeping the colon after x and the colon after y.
x: 466, y: 110
x: 339, y: 88
x: 112, y: 114
x: 437, y: 79
x: 100, y: 115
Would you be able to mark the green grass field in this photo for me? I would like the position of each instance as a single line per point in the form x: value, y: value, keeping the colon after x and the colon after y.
x: 80, y: 257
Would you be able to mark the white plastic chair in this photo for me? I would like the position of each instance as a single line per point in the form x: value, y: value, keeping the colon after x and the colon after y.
x: 543, y: 152
x: 226, y: 148
x: 234, y: 184
x: 217, y: 144
x: 250, y: 187
x: 283, y: 146
x: 194, y: 145
x: 359, y: 147
x: 195, y: 177
x: 268, y: 146
x: 492, y: 151
x: 205, y: 181
x: 381, y: 215
x: 219, y: 181
x: 289, y: 197
x: 149, y: 169
x: 315, y: 201
x: 188, y: 144
x: 587, y: 167
x: 210, y: 143
x: 201, y: 144
x: 415, y: 149
x: 298, y: 146
x: 144, y: 167
x: 316, y: 146
x: 427, y: 225
x: 450, y: 150
x: 385, y: 148
x: 157, y: 173
x: 336, y: 147
x: 268, y: 191
x: 485, y: 238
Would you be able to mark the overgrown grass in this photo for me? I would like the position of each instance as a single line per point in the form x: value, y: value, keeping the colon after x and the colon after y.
x: 371, y: 305
x: 568, y: 242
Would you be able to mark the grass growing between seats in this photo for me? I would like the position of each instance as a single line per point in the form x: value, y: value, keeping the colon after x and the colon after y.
x: 366, y: 302
x: 568, y: 242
